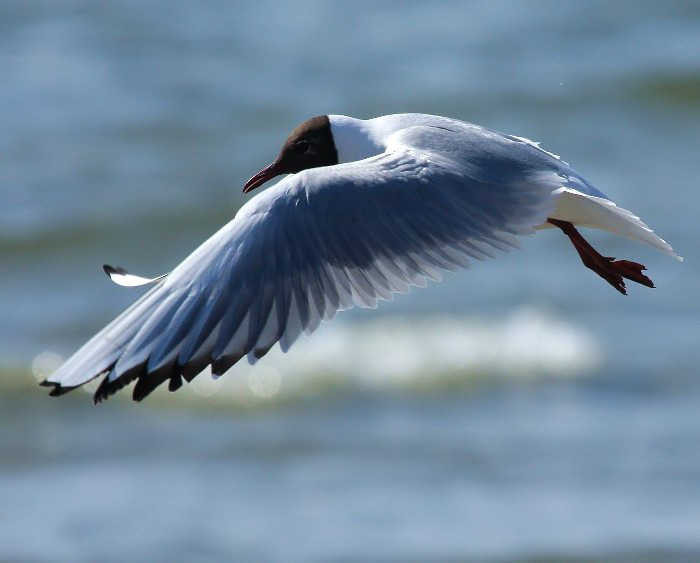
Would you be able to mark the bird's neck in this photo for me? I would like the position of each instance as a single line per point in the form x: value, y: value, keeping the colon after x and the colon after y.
x: 355, y: 139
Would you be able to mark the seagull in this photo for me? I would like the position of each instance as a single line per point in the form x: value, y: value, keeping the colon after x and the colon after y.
x: 366, y: 209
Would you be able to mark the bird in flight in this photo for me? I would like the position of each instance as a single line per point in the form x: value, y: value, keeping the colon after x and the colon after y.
x: 367, y: 208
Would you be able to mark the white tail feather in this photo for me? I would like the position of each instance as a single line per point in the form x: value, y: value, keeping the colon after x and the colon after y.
x: 600, y: 213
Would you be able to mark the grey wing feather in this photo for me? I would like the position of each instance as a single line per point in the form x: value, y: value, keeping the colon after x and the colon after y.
x: 317, y: 242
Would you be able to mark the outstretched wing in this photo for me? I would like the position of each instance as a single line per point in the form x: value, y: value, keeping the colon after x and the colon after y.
x: 317, y: 242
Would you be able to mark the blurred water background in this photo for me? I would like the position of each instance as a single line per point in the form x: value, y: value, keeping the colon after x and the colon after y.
x: 520, y: 410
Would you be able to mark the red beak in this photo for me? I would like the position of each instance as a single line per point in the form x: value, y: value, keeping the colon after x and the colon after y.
x: 263, y: 176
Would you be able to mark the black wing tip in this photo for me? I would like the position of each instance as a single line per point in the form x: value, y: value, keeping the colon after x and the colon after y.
x: 56, y: 388
x: 144, y: 385
x: 106, y: 389
x: 175, y: 382
x: 109, y: 270
x: 222, y: 364
x: 147, y: 382
x: 260, y: 352
x: 109, y: 387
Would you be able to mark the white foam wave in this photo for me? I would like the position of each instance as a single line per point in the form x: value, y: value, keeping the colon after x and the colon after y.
x: 406, y: 352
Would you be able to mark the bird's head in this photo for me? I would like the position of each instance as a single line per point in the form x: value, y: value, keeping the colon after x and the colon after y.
x: 310, y: 145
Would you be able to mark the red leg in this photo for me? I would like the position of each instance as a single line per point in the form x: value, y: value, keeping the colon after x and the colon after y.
x: 611, y: 270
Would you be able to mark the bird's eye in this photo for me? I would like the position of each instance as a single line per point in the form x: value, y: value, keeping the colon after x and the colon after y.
x: 302, y: 145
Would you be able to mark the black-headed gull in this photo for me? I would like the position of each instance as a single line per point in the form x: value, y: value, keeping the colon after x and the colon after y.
x: 369, y: 208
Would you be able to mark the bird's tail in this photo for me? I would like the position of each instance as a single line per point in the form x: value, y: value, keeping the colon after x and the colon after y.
x: 601, y: 213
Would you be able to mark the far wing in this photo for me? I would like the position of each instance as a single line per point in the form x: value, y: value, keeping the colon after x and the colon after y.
x: 317, y: 242
x: 121, y: 277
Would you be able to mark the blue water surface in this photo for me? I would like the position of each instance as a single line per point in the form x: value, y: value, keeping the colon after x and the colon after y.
x: 519, y: 410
